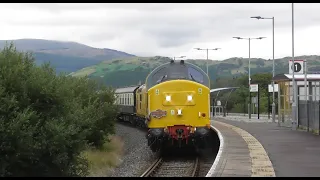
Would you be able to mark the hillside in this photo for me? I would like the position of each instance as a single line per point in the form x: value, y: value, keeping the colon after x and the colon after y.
x: 129, y: 71
x: 65, y: 56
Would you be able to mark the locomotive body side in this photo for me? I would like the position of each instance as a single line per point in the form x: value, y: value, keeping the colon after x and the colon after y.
x: 141, y: 101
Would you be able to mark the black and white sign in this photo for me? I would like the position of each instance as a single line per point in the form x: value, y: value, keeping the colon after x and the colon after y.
x: 254, y: 100
x: 297, y: 66
x: 276, y: 88
x: 254, y: 87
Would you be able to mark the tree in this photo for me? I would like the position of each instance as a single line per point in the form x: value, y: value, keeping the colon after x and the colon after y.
x: 47, y: 120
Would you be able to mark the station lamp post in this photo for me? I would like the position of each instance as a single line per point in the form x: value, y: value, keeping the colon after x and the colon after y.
x: 207, y: 55
x: 273, y: 71
x: 249, y: 79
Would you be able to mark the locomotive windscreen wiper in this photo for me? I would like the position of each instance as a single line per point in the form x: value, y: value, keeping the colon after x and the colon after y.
x: 162, y: 78
x: 193, y: 78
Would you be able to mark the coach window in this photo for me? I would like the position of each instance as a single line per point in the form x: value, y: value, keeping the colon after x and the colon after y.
x: 129, y: 100
x: 126, y: 99
x: 122, y: 99
x: 132, y: 99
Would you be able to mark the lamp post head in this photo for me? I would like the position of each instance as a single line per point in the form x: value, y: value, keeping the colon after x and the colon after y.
x: 197, y: 48
x: 237, y: 37
x: 261, y: 37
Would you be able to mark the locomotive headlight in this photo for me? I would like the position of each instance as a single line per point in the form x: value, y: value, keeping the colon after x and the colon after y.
x: 168, y: 98
x: 189, y: 98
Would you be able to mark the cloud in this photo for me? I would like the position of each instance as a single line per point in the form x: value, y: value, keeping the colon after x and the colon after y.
x: 167, y: 29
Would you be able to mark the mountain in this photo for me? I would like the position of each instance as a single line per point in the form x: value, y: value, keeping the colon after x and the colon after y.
x: 130, y: 71
x: 65, y: 56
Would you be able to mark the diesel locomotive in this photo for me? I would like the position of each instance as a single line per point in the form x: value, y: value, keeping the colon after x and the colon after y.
x: 173, y: 104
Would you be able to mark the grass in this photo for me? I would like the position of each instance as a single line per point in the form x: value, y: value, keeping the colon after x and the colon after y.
x: 84, y: 72
x: 101, y: 162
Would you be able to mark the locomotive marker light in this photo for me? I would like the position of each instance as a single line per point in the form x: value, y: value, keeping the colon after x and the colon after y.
x: 179, y: 112
x: 168, y: 98
x: 189, y: 98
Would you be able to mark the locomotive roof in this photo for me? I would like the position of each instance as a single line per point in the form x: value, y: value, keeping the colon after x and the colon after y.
x: 175, y: 70
x: 126, y: 89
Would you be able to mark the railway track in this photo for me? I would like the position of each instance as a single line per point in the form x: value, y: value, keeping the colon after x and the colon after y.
x: 173, y: 167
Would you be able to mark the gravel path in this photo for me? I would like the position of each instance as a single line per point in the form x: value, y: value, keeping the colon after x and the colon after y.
x: 137, y: 155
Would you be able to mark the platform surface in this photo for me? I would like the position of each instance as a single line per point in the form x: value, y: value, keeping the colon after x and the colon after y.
x: 292, y: 153
x: 241, y: 155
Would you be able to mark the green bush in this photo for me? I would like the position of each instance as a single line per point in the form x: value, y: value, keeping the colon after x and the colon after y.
x: 47, y: 120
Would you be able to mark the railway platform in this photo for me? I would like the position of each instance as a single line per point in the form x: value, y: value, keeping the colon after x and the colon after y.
x: 283, y: 152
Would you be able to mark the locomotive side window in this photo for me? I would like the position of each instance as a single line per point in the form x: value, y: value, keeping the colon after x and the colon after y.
x: 195, y: 75
x: 140, y: 98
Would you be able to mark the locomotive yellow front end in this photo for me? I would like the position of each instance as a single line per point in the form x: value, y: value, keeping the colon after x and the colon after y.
x: 178, y: 106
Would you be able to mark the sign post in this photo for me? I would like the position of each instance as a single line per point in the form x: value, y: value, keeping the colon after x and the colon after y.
x: 295, y: 67
x: 253, y: 88
x: 270, y: 90
x: 258, y: 104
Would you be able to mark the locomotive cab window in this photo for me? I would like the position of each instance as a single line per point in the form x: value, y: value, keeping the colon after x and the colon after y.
x: 175, y: 71
x: 195, y: 75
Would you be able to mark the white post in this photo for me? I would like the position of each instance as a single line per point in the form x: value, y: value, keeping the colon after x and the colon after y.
x: 294, y: 97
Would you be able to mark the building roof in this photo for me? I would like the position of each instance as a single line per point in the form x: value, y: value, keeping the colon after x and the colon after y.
x: 297, y: 77
x: 126, y: 89
x: 222, y: 89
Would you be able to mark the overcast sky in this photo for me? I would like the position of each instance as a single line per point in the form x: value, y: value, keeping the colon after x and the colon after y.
x: 169, y: 29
